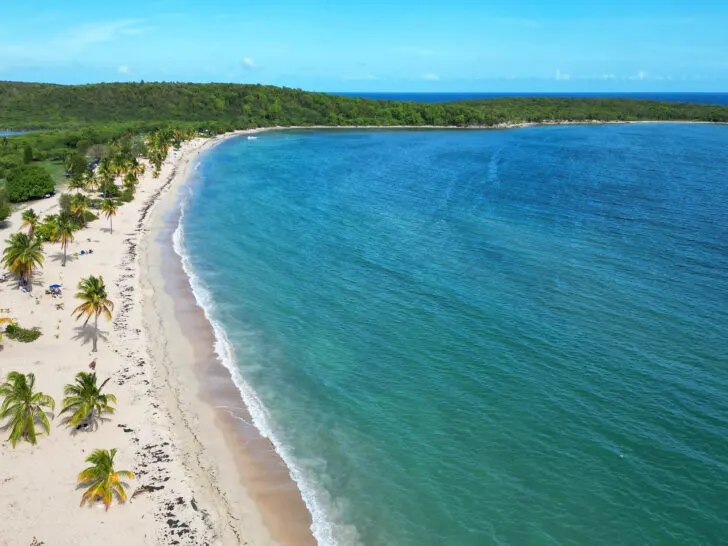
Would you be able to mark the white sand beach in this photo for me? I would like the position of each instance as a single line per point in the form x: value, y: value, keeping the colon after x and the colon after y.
x: 167, y: 436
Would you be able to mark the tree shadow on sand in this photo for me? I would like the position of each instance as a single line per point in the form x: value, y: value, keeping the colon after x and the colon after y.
x: 90, y: 424
x: 85, y: 333
x: 58, y: 257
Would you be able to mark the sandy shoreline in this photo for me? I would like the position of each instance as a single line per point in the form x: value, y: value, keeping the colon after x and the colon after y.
x: 180, y: 424
x: 257, y: 487
x: 174, y: 441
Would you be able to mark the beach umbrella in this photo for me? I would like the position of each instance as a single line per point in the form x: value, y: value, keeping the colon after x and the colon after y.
x: 55, y: 286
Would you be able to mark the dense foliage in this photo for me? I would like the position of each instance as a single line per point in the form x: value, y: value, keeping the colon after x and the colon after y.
x: 5, y: 208
x: 218, y: 106
x: 28, y: 182
x: 24, y: 335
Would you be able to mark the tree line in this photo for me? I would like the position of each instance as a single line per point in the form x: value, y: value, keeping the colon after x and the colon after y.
x: 218, y: 106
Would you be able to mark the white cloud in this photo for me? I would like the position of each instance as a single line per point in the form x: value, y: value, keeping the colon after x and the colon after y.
x: 70, y: 44
x: 123, y: 69
x: 248, y: 63
x: 86, y: 35
x: 641, y: 75
x: 431, y: 77
x: 559, y: 76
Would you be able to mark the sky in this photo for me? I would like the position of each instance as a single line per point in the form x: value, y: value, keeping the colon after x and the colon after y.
x: 375, y: 45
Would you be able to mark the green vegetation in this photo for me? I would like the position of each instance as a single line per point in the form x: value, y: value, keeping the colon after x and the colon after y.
x: 109, y: 208
x: 28, y: 182
x: 22, y: 256
x: 23, y: 335
x: 102, y: 480
x: 84, y: 400
x: 61, y: 231
x: 5, y: 208
x: 116, y: 124
x: 23, y: 408
x: 220, y: 106
x: 92, y: 292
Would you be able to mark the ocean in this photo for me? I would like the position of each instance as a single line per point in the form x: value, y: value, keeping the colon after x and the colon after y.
x: 703, y: 98
x: 476, y: 338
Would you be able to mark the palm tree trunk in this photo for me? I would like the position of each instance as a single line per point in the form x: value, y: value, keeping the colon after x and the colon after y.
x: 65, y: 246
x: 96, y: 331
x: 111, y: 223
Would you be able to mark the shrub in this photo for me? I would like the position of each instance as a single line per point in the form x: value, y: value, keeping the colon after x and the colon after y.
x: 65, y: 203
x: 109, y: 189
x: 5, y: 208
x: 27, y: 154
x: 46, y: 228
x: 28, y: 182
x: 90, y: 216
x: 127, y: 196
x: 24, y: 335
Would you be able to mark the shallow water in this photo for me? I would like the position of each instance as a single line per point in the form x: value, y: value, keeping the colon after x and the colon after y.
x: 481, y: 337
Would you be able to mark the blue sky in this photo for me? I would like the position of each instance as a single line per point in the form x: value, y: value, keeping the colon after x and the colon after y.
x: 393, y: 45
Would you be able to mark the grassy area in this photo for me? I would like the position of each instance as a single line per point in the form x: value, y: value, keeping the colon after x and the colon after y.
x: 56, y: 170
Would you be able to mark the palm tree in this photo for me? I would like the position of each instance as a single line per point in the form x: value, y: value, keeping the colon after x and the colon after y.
x: 105, y: 171
x: 85, y: 400
x: 22, y: 256
x: 24, y: 407
x: 130, y: 181
x: 63, y: 233
x: 30, y: 220
x: 77, y: 183
x: 92, y: 292
x: 109, y: 208
x: 79, y: 206
x: 91, y: 181
x: 102, y: 480
x: 134, y: 167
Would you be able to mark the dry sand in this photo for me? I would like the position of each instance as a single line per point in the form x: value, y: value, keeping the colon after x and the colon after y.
x: 217, y: 480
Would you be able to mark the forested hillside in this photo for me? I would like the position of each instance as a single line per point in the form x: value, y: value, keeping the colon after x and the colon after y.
x: 229, y: 106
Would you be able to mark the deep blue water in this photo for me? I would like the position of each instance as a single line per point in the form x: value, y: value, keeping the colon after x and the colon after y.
x: 480, y: 337
x: 703, y: 98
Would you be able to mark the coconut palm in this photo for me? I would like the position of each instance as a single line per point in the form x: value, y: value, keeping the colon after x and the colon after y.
x: 102, y: 480
x: 22, y: 256
x: 24, y: 408
x: 105, y: 171
x: 109, y: 208
x: 79, y: 206
x: 30, y: 220
x: 85, y: 400
x: 92, y: 292
x: 77, y: 183
x: 130, y: 181
x: 63, y: 233
x: 134, y: 167
x: 90, y: 180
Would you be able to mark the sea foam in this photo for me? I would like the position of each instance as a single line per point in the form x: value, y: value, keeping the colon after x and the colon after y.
x: 316, y: 499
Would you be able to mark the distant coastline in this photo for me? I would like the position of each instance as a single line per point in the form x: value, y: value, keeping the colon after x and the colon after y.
x: 717, y: 98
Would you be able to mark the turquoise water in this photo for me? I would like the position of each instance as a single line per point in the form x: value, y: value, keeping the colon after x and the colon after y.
x: 472, y: 338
